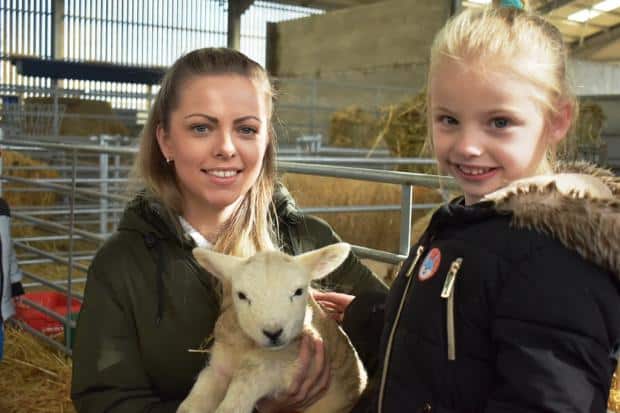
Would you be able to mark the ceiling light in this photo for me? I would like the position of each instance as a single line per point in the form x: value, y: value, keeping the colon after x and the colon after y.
x: 479, y: 1
x: 583, y: 15
x: 607, y: 5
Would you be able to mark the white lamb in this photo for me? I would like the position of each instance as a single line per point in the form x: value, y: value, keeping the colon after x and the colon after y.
x: 266, y: 306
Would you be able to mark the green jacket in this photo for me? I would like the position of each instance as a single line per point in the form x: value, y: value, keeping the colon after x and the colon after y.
x: 147, y: 302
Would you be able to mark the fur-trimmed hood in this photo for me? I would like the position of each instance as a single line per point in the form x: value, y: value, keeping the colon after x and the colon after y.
x: 579, y: 206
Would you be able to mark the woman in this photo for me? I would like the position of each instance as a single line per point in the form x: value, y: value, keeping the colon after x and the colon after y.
x: 207, y: 163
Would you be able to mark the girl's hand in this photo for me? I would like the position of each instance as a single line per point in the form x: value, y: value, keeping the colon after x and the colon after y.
x: 334, y: 304
x: 310, y: 383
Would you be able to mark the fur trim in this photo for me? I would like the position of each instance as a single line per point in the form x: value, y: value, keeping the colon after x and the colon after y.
x: 605, y: 175
x: 580, y: 207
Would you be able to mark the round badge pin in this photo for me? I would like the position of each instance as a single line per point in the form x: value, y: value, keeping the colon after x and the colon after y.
x: 430, y: 264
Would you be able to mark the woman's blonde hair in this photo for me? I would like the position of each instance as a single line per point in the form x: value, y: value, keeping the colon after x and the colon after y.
x: 511, y: 39
x: 250, y: 228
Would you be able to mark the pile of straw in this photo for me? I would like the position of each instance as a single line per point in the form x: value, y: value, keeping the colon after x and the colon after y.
x: 33, y: 377
x: 354, y: 127
x: 10, y: 190
x: 585, y: 142
x: 402, y: 128
x: 95, y: 117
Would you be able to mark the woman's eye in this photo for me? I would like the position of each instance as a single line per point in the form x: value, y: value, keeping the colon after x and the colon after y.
x: 500, y: 123
x: 246, y: 130
x: 200, y: 128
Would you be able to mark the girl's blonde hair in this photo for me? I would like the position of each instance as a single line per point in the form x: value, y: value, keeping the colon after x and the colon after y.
x: 250, y: 228
x: 517, y: 40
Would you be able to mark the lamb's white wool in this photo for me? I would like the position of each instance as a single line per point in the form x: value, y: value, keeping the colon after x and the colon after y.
x: 266, y: 306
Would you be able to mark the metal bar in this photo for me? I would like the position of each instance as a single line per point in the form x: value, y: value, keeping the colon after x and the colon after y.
x: 42, y: 238
x: 377, y: 255
x: 60, y: 260
x: 71, y: 246
x: 34, y: 261
x: 84, y: 193
x: 103, y: 187
x: 64, y: 212
x: 57, y: 227
x: 362, y: 208
x: 373, y: 175
x: 40, y: 335
x: 349, y: 160
x: 47, y: 311
x: 51, y: 284
x: 405, y: 219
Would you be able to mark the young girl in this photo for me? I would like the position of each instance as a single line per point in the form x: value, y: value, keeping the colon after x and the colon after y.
x: 508, y: 303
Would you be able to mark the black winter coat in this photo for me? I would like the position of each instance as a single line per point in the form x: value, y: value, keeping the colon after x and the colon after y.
x: 491, y: 314
x: 147, y: 302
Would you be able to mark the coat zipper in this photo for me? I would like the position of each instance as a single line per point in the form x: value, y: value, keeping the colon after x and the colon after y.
x: 388, y: 350
x: 447, y: 292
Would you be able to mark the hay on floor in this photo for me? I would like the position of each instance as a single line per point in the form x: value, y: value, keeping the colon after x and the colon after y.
x: 34, y: 378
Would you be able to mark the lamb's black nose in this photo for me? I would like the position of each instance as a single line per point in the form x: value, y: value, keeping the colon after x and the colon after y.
x: 273, y: 335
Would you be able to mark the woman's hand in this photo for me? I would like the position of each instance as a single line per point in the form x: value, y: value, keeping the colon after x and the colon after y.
x: 334, y: 304
x: 310, y: 383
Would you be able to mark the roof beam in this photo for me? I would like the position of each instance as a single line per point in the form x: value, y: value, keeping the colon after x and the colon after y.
x: 326, y: 4
x: 553, y: 5
x: 596, y: 42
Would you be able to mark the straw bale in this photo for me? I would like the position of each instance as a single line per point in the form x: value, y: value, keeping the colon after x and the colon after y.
x: 400, y: 127
x: 10, y: 190
x: 354, y: 127
x: 34, y: 378
x: 378, y: 230
x: 104, y: 120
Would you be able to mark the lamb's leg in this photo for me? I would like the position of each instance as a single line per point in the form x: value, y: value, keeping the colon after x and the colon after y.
x: 207, y: 392
x: 250, y: 383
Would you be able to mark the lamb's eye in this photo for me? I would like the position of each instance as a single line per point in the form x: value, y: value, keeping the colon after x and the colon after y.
x: 299, y: 291
x: 242, y: 296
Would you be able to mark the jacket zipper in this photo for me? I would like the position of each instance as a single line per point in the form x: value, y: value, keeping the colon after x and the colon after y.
x: 447, y: 292
x: 388, y: 350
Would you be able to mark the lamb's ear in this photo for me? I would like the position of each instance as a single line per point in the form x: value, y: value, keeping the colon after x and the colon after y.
x: 324, y: 260
x: 221, y: 266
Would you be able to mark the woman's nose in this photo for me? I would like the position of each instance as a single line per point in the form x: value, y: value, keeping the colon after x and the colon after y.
x: 225, y: 147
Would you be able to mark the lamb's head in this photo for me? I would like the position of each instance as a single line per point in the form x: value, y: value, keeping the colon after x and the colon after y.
x: 270, y: 289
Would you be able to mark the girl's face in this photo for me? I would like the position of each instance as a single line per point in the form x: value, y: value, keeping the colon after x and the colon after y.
x: 488, y: 129
x: 216, y: 137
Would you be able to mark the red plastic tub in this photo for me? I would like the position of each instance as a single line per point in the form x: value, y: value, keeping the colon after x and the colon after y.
x: 52, y: 300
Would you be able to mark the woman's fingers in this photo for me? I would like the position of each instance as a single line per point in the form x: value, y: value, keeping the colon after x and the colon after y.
x: 339, y: 299
x: 305, y: 357
x: 317, y: 379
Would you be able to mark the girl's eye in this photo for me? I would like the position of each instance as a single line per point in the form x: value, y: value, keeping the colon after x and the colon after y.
x: 500, y: 123
x: 447, y: 120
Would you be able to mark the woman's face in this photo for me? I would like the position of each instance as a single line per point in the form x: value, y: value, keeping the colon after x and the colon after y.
x: 217, y: 138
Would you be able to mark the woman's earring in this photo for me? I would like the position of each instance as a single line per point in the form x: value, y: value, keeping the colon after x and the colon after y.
x: 169, y: 161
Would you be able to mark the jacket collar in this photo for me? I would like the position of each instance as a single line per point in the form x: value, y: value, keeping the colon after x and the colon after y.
x: 146, y: 214
x: 579, y: 206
